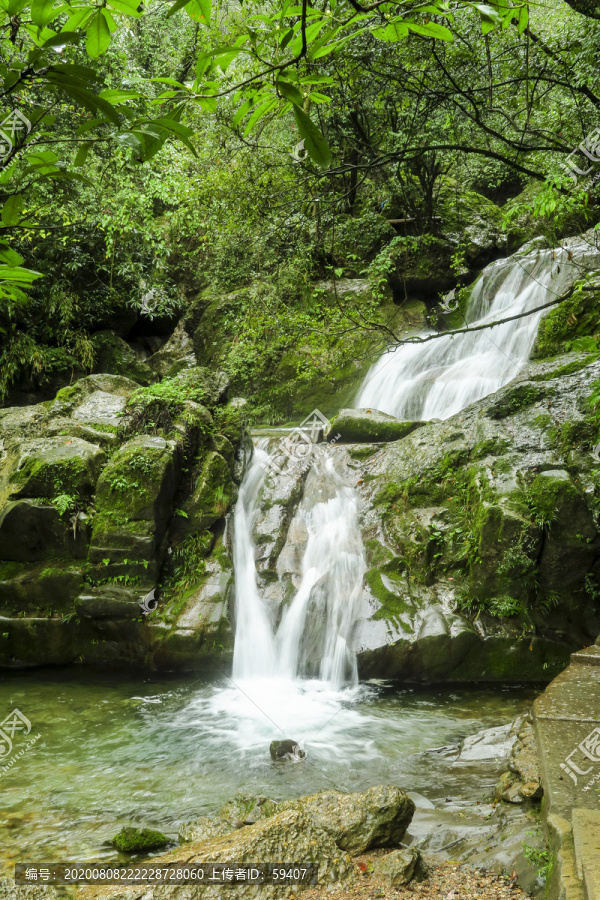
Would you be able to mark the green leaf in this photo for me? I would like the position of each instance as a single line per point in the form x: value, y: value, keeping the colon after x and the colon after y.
x: 182, y: 131
x: 127, y: 7
x: 311, y: 33
x: 261, y: 110
x: 394, y: 31
x: 81, y: 155
x: 523, y: 19
x: 18, y: 274
x: 179, y: 4
x: 290, y: 92
x: 43, y: 12
x: 11, y: 211
x: 97, y: 36
x: 92, y: 102
x: 244, y: 108
x: 8, y: 256
x: 199, y: 11
x: 433, y: 30
x: 115, y: 97
x: 315, y: 144
x: 79, y: 19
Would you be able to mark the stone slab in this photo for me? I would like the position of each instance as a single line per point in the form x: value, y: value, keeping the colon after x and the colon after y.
x: 586, y: 838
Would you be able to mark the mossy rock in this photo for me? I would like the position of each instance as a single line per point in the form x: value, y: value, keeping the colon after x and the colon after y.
x: 114, y: 356
x: 248, y: 808
x: 232, y: 420
x: 359, y: 426
x: 572, y: 325
x: 68, y: 467
x: 134, y: 840
x: 50, y: 586
x: 513, y: 399
x: 212, y: 493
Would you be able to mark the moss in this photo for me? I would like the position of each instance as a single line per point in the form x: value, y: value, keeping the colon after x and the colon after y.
x: 515, y: 399
x: 544, y: 496
x: 392, y: 605
x: 495, y: 446
x: 364, y: 451
x: 568, y: 369
x: 132, y: 840
x: 575, y: 318
x: 377, y: 554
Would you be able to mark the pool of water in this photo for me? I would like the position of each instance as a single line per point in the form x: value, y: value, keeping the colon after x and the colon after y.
x: 115, y: 751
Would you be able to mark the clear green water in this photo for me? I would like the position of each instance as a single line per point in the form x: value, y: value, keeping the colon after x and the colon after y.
x: 116, y: 751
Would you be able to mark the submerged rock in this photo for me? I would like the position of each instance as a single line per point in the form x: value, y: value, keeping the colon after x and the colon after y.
x: 134, y: 840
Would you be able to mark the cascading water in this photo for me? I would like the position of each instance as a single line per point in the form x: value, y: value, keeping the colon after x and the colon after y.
x: 439, y: 378
x: 315, y: 630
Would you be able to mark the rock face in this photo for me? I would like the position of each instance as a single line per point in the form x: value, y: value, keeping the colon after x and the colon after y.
x: 93, y: 488
x: 480, y: 533
x: 287, y: 837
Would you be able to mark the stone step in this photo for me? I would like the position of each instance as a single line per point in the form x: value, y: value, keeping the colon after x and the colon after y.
x: 590, y: 656
x: 586, y: 839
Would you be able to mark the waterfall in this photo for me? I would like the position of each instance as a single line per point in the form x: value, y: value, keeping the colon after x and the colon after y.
x: 441, y: 377
x: 254, y: 651
x: 314, y: 635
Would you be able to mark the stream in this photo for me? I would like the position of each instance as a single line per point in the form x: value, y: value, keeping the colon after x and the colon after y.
x: 116, y: 750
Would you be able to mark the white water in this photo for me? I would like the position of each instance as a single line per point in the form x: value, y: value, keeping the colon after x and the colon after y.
x: 295, y: 678
x: 313, y: 637
x: 439, y: 378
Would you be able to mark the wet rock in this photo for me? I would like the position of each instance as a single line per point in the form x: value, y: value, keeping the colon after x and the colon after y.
x: 248, y: 808
x: 489, y: 744
x: 204, y: 829
x: 357, y: 822
x: 134, y: 840
x: 289, y: 836
x: 286, y: 750
x: 209, y: 500
x: 360, y: 426
x: 133, y: 499
x: 400, y: 867
x: 11, y: 891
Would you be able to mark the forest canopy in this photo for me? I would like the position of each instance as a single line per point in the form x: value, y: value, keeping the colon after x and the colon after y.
x: 153, y: 150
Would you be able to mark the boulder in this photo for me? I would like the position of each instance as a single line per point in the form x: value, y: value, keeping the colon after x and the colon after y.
x: 363, y: 426
x: 244, y: 809
x: 288, y: 837
x: 56, y: 466
x: 248, y: 808
x: 400, y: 867
x: 357, y: 822
x: 211, y: 496
x: 489, y: 744
x: 175, y: 355
x: 114, y: 356
x: 31, y: 531
x: 133, y: 499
